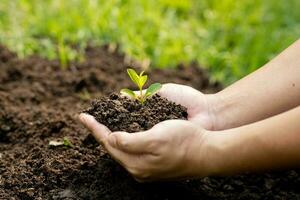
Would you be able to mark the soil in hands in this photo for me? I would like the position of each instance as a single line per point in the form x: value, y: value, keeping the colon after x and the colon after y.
x: 120, y: 113
x: 39, y: 102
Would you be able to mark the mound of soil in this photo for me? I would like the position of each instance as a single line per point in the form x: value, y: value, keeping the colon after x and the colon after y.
x: 119, y: 113
x: 39, y: 102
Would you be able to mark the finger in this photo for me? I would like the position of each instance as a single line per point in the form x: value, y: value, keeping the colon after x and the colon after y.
x: 136, y: 143
x: 135, y: 164
x: 180, y: 94
x: 172, y: 92
x: 129, y: 161
x: 168, y: 88
x: 99, y: 131
x: 118, y: 155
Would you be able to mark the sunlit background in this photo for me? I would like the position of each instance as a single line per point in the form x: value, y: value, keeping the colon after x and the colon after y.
x: 231, y: 38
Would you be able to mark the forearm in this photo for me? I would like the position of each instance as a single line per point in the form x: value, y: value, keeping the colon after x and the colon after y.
x: 272, y: 89
x: 273, y: 143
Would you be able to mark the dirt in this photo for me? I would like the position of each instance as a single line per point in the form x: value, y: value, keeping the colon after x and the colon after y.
x: 39, y: 103
x: 120, y: 113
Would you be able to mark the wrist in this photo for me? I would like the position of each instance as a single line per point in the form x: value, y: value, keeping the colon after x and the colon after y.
x: 207, y: 153
x: 220, y: 147
x: 197, y: 155
x: 225, y: 110
x: 216, y: 105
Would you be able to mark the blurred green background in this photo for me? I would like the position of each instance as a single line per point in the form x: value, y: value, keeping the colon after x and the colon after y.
x: 231, y: 38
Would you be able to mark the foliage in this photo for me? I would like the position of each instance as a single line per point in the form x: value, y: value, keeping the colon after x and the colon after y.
x: 140, y: 80
x: 231, y: 38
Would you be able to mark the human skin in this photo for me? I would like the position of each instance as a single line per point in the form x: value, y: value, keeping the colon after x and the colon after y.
x: 272, y: 89
x: 252, y: 125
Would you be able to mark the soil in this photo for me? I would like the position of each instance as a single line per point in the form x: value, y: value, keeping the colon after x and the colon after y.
x: 120, y: 113
x: 39, y: 103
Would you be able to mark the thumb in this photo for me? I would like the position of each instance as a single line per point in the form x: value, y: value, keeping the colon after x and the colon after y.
x: 99, y: 131
x: 130, y: 142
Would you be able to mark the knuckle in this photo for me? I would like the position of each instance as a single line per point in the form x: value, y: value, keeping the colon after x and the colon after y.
x: 123, y: 143
x: 142, y: 176
x: 119, y: 141
x: 133, y: 171
x: 139, y: 174
x: 155, y: 146
x: 113, y: 139
x: 103, y: 143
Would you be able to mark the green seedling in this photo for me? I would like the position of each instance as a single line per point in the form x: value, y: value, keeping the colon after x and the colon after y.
x: 66, y: 142
x: 62, y: 54
x: 140, y: 80
x: 84, y: 94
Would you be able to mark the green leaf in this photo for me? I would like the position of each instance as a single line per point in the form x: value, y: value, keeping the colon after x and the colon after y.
x: 141, y: 74
x: 142, y: 81
x: 67, y: 142
x: 153, y: 89
x: 133, y: 76
x: 128, y: 92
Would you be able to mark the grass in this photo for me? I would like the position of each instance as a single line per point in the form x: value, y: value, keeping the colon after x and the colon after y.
x: 231, y: 38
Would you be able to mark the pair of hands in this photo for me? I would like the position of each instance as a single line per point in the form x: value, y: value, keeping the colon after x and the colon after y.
x: 171, y: 149
x: 258, y: 118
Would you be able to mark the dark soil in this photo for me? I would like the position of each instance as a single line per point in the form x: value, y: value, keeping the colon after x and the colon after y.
x: 38, y: 103
x: 123, y: 114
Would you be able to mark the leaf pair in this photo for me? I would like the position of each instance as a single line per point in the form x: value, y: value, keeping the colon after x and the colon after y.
x: 140, y: 80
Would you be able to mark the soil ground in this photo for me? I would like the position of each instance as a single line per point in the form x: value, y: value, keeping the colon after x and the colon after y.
x: 39, y: 102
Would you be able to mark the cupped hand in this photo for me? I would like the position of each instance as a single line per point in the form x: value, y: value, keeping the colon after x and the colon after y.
x: 170, y: 150
x: 199, y: 106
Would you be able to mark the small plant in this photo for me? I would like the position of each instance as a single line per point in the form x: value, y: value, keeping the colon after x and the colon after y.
x: 140, y: 80
x: 66, y: 142
x: 84, y: 94
x: 66, y: 54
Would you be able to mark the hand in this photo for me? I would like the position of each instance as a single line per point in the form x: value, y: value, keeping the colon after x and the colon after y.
x: 171, y: 149
x: 199, y: 106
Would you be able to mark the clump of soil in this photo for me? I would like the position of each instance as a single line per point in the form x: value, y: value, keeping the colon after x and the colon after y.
x: 120, y: 113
